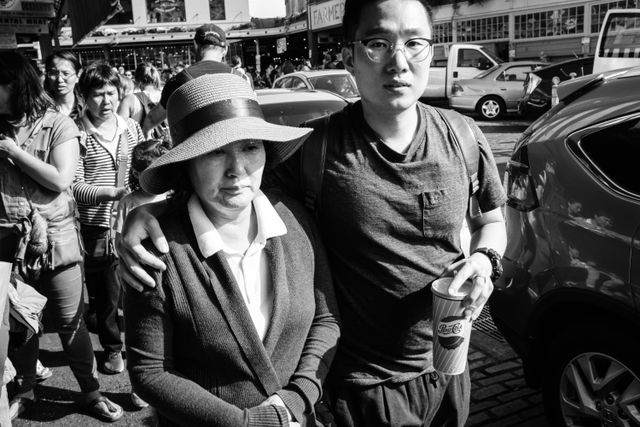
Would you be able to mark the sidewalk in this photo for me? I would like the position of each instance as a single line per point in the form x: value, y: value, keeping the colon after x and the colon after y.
x: 499, y: 396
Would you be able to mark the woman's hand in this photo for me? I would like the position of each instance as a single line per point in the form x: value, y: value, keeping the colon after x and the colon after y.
x: 476, y: 267
x: 277, y: 401
x: 140, y: 224
x: 7, y: 147
x: 119, y: 192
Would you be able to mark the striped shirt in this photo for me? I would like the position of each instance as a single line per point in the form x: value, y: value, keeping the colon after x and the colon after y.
x: 98, y: 167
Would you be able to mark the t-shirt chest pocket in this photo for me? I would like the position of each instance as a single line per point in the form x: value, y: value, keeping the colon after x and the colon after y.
x: 442, y: 211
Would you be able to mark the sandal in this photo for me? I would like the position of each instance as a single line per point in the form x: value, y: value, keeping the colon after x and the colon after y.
x: 18, y: 406
x: 104, y: 409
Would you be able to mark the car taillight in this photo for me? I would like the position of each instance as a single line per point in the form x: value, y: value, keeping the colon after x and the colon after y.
x: 519, y: 184
x: 531, y: 83
x: 456, y: 89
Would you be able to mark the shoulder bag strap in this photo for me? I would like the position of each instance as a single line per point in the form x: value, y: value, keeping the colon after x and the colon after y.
x: 312, y: 159
x: 464, y: 139
x: 122, y: 170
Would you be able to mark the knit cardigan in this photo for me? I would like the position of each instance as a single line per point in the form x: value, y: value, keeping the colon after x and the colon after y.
x: 193, y: 352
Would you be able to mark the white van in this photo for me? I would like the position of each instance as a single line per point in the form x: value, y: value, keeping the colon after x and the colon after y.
x: 619, y: 41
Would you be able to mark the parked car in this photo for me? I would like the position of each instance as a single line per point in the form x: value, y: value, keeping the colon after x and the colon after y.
x: 340, y: 82
x: 537, y: 86
x: 494, y: 91
x: 292, y: 107
x: 569, y: 302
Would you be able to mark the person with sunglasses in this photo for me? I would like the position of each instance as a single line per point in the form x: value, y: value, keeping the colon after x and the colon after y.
x: 390, y: 208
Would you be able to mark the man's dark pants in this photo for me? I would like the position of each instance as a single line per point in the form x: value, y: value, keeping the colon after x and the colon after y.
x: 430, y: 400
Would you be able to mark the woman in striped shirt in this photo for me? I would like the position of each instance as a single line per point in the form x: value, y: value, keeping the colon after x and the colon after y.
x: 101, y: 181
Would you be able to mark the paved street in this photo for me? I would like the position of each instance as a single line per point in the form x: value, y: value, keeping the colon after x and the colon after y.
x: 499, y: 395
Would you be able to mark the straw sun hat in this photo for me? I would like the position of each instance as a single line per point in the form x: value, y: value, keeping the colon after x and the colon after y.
x: 212, y: 111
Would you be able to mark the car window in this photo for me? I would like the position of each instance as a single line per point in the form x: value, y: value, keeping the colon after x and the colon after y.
x: 284, y: 83
x: 297, y: 83
x: 615, y: 152
x: 515, y: 74
x: 473, y: 58
x: 341, y: 84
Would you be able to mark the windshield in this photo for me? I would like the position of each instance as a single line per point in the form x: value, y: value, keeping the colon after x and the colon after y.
x: 485, y: 73
x: 343, y: 84
x: 493, y: 56
x: 620, y: 35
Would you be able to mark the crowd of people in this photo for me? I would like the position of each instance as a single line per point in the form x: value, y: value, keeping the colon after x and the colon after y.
x: 253, y: 297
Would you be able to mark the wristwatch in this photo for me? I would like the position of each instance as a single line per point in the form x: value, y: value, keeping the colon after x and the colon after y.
x: 496, y: 262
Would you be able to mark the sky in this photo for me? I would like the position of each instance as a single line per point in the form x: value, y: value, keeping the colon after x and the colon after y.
x: 266, y: 8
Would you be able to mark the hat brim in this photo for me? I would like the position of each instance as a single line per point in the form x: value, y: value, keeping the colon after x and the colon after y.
x: 280, y: 143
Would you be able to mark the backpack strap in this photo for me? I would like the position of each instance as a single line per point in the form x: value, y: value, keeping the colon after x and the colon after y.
x: 464, y: 139
x: 312, y: 157
x: 142, y: 98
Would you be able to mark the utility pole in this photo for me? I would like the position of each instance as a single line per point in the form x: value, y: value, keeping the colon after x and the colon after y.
x: 311, y: 45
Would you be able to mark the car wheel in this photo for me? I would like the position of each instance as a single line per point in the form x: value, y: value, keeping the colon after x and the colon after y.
x: 592, y: 377
x: 490, y: 108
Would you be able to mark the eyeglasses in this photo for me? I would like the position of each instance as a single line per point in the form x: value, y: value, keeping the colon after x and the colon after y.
x: 53, y: 74
x: 381, y: 50
x: 128, y: 75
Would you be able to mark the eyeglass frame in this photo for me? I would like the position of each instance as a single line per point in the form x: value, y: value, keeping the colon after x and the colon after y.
x: 393, y: 47
x: 52, y: 73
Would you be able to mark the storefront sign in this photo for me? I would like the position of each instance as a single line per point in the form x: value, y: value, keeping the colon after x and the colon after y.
x: 25, y: 16
x: 326, y: 14
x: 24, y: 24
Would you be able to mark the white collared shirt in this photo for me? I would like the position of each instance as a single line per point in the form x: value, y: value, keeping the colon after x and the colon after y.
x: 111, y: 145
x: 250, y: 269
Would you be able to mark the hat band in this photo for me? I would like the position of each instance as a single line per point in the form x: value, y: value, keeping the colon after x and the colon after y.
x: 213, y: 113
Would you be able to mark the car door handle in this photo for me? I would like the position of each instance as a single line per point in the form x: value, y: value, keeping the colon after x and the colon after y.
x: 455, y: 74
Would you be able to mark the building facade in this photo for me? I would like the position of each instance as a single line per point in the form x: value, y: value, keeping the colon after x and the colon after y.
x: 157, y: 31
x: 161, y: 31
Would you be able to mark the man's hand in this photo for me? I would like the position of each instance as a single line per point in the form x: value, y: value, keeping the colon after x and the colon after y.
x: 140, y: 224
x: 477, y: 267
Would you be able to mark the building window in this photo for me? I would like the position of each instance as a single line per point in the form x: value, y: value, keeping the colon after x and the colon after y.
x: 165, y: 11
x: 599, y: 10
x: 491, y: 28
x: 442, y: 33
x: 550, y: 23
x: 216, y: 10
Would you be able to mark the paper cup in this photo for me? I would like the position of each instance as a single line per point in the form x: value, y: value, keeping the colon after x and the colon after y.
x: 451, y: 330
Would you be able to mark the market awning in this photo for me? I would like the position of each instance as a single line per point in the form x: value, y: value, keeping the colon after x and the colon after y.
x: 86, y: 16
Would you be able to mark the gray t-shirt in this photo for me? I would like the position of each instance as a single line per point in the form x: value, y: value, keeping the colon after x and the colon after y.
x: 391, y: 224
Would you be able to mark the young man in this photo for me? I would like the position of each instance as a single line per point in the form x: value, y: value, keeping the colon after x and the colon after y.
x: 394, y: 196
x: 211, y: 47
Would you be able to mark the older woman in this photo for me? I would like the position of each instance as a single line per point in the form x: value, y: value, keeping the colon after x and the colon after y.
x: 241, y: 327
x: 39, y: 153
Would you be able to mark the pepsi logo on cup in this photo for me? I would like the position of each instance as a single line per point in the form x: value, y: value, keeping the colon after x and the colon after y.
x: 451, y: 331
